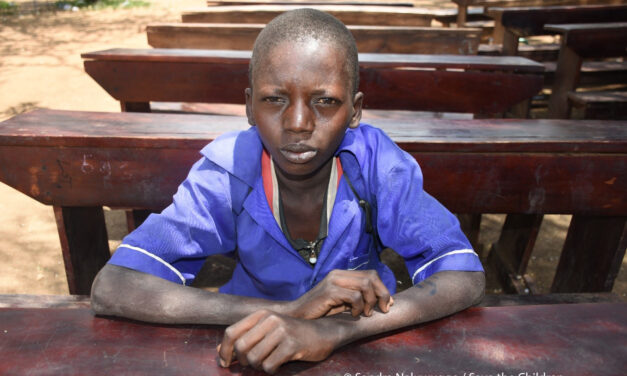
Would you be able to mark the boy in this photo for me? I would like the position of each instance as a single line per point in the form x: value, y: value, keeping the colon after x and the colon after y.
x: 303, y: 200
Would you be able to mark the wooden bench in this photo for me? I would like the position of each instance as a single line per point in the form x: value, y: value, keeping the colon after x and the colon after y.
x: 80, y: 161
x: 349, y: 15
x: 469, y: 84
x: 380, y: 39
x: 579, y: 42
x: 525, y: 339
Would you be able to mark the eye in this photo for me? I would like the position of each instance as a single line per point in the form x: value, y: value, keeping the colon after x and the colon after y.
x: 327, y: 101
x: 273, y: 99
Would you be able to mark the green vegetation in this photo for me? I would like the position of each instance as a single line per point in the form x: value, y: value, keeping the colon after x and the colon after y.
x: 7, y: 7
x: 101, y: 4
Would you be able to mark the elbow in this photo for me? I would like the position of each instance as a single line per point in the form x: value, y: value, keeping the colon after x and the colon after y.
x: 103, y: 292
x: 476, y: 287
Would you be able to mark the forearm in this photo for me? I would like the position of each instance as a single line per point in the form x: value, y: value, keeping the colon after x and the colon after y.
x: 440, y: 295
x: 119, y: 291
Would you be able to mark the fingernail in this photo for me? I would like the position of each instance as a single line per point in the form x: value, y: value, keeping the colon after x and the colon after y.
x: 223, y: 363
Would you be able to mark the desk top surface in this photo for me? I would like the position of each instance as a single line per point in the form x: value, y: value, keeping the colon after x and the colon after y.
x: 110, y: 129
x: 554, y: 339
x: 366, y: 60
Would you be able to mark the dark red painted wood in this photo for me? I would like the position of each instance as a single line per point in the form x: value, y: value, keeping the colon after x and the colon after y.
x: 84, y: 244
x: 448, y: 83
x: 137, y: 160
x: 582, y: 339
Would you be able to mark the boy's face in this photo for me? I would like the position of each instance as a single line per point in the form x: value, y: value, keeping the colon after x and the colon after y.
x: 302, y: 102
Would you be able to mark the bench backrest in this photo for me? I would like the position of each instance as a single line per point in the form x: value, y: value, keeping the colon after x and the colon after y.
x: 136, y: 160
x: 447, y: 83
x: 380, y: 39
x: 349, y: 15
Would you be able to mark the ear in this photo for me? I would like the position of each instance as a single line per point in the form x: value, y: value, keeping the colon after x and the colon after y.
x: 249, y: 106
x: 358, y: 101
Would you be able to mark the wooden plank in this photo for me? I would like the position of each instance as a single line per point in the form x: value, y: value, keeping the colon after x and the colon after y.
x: 74, y: 341
x: 349, y: 15
x: 379, y: 39
x: 592, y: 254
x: 446, y: 83
x: 609, y: 105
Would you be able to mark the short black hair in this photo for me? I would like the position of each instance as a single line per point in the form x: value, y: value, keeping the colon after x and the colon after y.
x: 305, y: 24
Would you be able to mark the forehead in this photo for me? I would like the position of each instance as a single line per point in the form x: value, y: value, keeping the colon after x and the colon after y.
x: 310, y: 57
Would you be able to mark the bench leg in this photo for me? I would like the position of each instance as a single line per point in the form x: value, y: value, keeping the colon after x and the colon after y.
x: 566, y: 79
x: 84, y: 245
x: 462, y: 10
x: 470, y: 224
x: 135, y: 106
x: 136, y: 217
x: 510, y: 255
x: 592, y: 254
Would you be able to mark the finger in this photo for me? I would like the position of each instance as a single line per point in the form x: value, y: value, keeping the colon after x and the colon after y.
x: 368, y: 295
x: 337, y: 309
x: 247, y: 341
x: 257, y: 355
x: 282, y: 353
x: 355, y: 299
x: 381, y: 292
x: 233, y: 332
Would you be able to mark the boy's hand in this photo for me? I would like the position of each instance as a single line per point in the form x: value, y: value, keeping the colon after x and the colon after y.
x: 265, y: 340
x: 341, y: 290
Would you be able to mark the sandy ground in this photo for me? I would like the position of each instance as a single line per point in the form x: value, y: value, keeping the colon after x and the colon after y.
x: 40, y: 66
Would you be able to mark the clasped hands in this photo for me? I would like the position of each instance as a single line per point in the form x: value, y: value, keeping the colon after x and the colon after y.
x: 266, y: 339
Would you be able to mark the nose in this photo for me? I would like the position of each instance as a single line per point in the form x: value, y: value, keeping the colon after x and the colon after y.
x: 298, y: 117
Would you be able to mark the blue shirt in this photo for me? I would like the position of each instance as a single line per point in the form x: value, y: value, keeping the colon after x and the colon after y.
x: 221, y: 208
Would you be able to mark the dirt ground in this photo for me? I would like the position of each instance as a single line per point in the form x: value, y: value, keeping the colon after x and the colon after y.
x: 40, y: 66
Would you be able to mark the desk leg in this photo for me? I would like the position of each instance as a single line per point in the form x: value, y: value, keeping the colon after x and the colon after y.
x: 510, y: 43
x: 592, y: 254
x: 462, y: 10
x: 509, y: 256
x: 566, y: 79
x: 84, y: 245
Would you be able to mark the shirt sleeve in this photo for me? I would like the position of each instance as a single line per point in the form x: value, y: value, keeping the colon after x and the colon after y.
x: 200, y: 222
x: 417, y: 226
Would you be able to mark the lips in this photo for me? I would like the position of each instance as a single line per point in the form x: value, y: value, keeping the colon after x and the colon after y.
x: 298, y: 153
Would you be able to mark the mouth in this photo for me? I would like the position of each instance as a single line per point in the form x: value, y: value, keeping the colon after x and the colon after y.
x: 298, y: 153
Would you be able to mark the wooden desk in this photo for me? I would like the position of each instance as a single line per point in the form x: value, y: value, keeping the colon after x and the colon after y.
x: 579, y: 42
x: 462, y: 5
x: 513, y: 23
x: 393, y: 3
x: 80, y: 161
x: 379, y: 39
x: 445, y: 83
x: 581, y: 339
x: 349, y: 15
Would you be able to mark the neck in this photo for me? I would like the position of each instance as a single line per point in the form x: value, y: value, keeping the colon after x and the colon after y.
x: 311, y: 184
